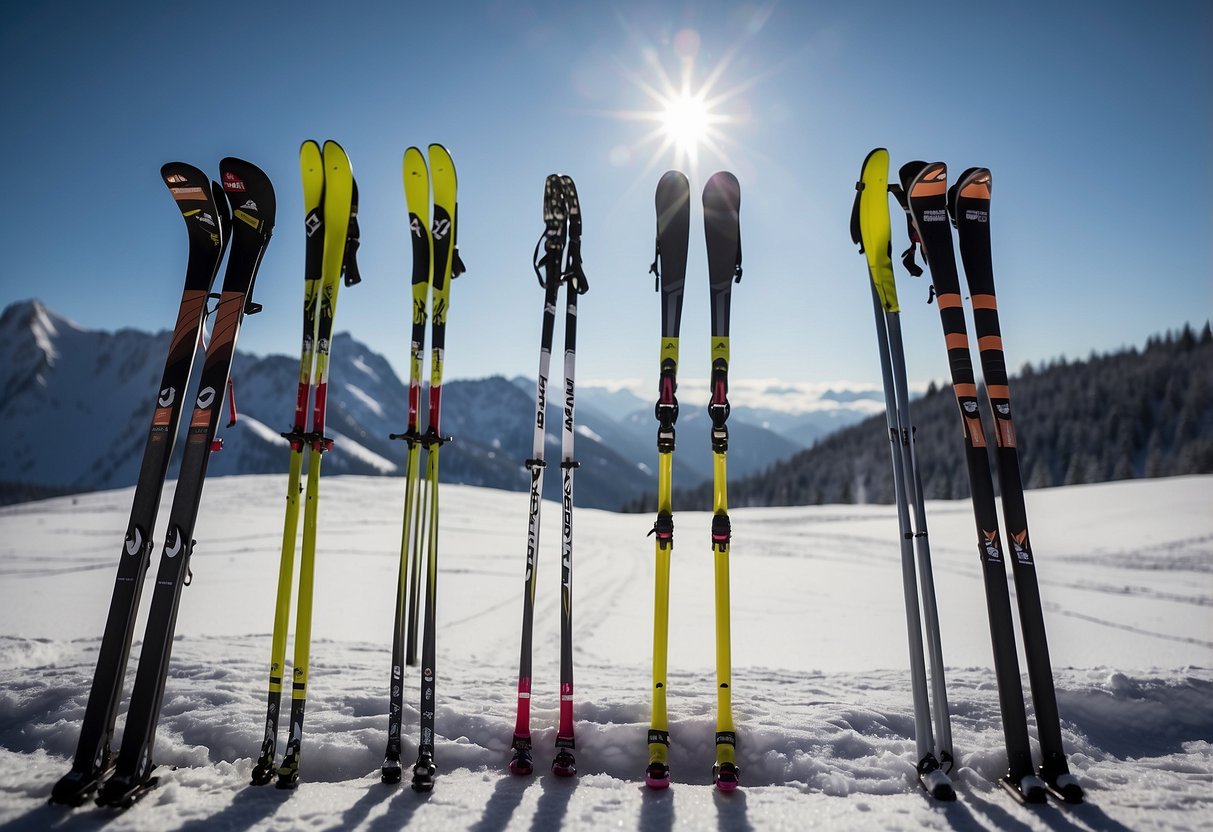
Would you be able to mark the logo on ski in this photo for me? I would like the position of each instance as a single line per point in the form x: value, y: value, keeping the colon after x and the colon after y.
x: 250, y: 205
x: 312, y: 223
x: 206, y: 218
x: 990, y: 545
x: 441, y: 227
x: 135, y: 542
x: 206, y: 397
x: 174, y: 544
x: 232, y: 182
x: 175, y: 178
x: 415, y: 226
x: 167, y: 396
x: 187, y: 194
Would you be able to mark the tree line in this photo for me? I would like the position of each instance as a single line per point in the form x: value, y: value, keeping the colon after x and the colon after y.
x: 1128, y: 414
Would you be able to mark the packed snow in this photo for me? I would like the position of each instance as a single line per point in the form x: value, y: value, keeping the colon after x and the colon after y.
x: 823, y: 711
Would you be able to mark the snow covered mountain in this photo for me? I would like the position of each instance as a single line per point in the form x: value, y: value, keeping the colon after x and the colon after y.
x: 75, y: 404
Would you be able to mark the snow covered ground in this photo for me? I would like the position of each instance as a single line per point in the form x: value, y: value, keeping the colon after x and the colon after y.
x: 820, y: 670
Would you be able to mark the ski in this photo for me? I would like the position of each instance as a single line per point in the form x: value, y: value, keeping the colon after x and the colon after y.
x: 871, y: 231
x: 253, y: 207
x: 969, y: 209
x: 924, y: 191
x: 447, y: 265
x: 549, y: 270
x: 565, y: 765
x: 339, y: 225
x: 673, y: 205
x: 721, y: 206
x: 404, y: 646
x: 208, y: 227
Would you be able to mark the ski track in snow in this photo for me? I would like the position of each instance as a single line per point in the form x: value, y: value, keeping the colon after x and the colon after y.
x: 821, y: 698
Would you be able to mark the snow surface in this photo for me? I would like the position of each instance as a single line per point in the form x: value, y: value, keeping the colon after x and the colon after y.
x: 820, y: 681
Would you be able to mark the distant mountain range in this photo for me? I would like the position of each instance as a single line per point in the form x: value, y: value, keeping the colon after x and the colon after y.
x: 76, y: 404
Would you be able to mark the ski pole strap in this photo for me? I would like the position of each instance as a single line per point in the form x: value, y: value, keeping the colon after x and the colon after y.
x: 653, y: 269
x: 231, y: 400
x: 352, y: 240
x: 457, y: 267
x: 907, y: 256
x: 856, y: 232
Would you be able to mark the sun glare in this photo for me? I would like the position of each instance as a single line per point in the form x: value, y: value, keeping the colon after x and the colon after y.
x: 687, y: 114
x: 685, y: 121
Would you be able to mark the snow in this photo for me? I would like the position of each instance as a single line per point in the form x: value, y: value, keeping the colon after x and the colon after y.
x: 820, y: 673
x: 263, y: 431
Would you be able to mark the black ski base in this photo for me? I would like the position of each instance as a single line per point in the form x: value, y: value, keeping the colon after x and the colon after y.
x: 125, y: 792
x: 1065, y: 788
x: 263, y: 772
x: 392, y: 771
x: 1028, y: 789
x: 423, y: 774
x: 564, y: 765
x: 75, y: 787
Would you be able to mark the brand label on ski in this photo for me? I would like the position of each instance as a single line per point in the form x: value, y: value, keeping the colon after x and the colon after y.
x: 990, y: 545
x: 232, y: 182
x: 312, y: 223
x: 188, y: 194
x: 174, y: 178
x: 973, y: 215
x: 135, y: 542
x: 935, y: 215
x: 174, y: 545
x: 167, y: 396
x: 248, y: 218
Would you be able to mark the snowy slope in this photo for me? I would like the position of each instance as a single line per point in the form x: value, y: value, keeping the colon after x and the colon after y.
x: 824, y: 718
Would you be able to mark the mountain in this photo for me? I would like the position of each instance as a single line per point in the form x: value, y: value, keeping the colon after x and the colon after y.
x: 1129, y: 414
x: 75, y: 405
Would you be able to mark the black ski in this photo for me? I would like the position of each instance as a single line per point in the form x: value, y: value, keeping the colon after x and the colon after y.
x: 969, y: 208
x: 673, y: 205
x: 924, y: 191
x: 722, y: 230
x: 252, y: 199
x: 207, y: 222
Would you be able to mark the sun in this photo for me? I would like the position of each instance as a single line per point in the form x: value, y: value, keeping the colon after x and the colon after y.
x: 685, y: 120
x: 687, y: 112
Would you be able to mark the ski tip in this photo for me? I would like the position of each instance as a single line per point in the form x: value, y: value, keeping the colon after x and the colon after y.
x: 657, y: 776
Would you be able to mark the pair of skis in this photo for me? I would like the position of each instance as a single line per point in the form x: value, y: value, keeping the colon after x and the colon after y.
x: 559, y: 264
x: 871, y: 230
x: 721, y: 206
x: 436, y: 262
x: 242, y: 209
x: 330, y: 200
x: 929, y: 204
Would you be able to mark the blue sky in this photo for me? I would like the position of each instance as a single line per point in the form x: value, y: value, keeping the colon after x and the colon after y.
x: 1096, y: 119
